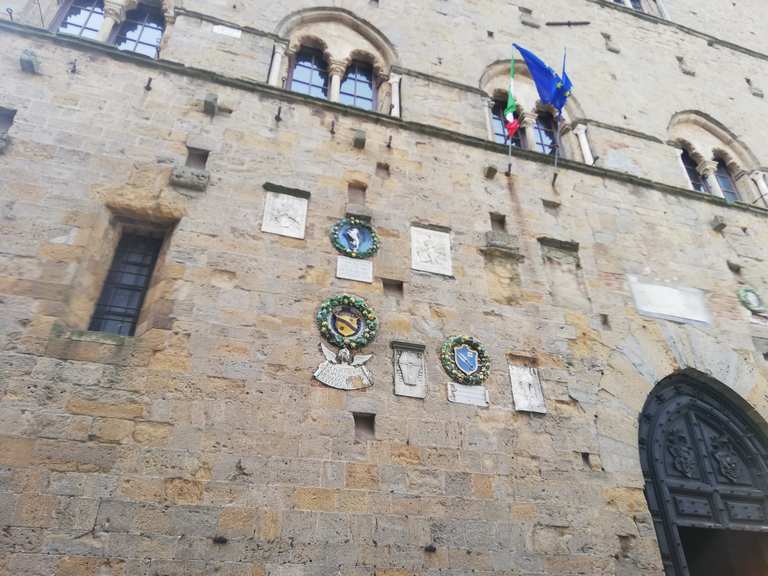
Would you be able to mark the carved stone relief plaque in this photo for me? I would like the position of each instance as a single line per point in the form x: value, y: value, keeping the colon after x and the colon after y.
x: 409, y: 369
x: 431, y: 251
x: 526, y: 389
x: 285, y: 214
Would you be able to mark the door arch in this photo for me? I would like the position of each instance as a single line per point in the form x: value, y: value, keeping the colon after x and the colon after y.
x: 705, y: 464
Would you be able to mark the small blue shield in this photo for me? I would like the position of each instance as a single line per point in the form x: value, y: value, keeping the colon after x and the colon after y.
x: 466, y: 359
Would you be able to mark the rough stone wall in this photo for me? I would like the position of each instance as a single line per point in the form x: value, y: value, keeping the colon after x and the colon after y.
x: 203, y: 446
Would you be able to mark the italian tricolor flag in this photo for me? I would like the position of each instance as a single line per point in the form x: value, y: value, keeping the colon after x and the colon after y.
x: 511, y: 123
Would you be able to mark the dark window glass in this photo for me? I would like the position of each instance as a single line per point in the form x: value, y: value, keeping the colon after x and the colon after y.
x: 126, y: 285
x: 545, y: 133
x: 141, y: 31
x: 727, y: 184
x: 83, y: 18
x: 697, y: 181
x: 310, y: 74
x: 636, y: 4
x: 357, y: 86
x: 499, y: 125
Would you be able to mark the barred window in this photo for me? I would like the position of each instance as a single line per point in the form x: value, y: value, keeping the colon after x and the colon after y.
x: 357, y: 86
x: 726, y: 181
x: 141, y: 31
x: 545, y: 133
x: 122, y: 296
x: 310, y: 73
x: 498, y: 122
x: 83, y: 18
x: 697, y: 182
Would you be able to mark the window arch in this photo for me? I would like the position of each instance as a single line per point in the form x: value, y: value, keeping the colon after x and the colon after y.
x: 309, y: 73
x: 538, y: 131
x: 359, y: 58
x: 717, y: 161
x: 705, y: 464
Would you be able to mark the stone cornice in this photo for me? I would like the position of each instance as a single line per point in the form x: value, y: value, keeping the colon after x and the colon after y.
x: 281, y: 94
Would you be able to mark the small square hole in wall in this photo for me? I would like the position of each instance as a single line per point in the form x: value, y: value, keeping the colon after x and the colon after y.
x: 498, y: 222
x: 365, y: 426
x: 382, y: 170
x: 489, y: 33
x: 197, y: 158
x: 6, y: 119
x: 356, y: 193
x: 393, y: 288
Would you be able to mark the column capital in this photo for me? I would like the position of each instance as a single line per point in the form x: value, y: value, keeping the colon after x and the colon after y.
x: 580, y: 129
x: 116, y: 9
x: 707, y: 167
x: 757, y: 175
x: 528, y: 119
x: 337, y: 67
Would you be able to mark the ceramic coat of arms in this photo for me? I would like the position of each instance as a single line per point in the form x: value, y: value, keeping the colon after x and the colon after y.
x: 355, y: 238
x: 465, y: 360
x: 348, y: 323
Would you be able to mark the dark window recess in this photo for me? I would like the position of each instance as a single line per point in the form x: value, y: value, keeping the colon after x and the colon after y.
x: 727, y: 184
x: 365, y: 426
x: 357, y: 86
x: 392, y: 287
x: 498, y: 222
x: 6, y: 119
x: 356, y: 193
x: 310, y: 73
x: 545, y: 133
x: 499, y: 125
x: 697, y: 182
x: 197, y: 158
x: 141, y: 31
x: 122, y: 296
x: 83, y: 18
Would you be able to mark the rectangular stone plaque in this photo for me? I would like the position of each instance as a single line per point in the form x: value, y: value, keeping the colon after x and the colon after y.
x: 410, y: 369
x: 227, y: 31
x: 431, y: 251
x: 668, y: 303
x: 526, y: 389
x: 285, y: 214
x: 354, y: 269
x: 472, y: 395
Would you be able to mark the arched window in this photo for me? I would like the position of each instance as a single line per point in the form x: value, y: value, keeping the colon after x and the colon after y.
x: 545, y: 133
x: 726, y: 181
x: 310, y: 73
x: 357, y: 86
x: 82, y: 18
x: 691, y: 168
x: 141, y: 31
x: 498, y: 123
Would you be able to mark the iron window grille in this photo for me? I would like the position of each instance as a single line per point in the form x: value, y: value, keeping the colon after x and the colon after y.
x: 83, y: 18
x: 727, y: 183
x: 545, y: 134
x: 310, y: 73
x: 498, y: 123
x: 122, y: 296
x: 141, y: 31
x: 697, y: 182
x: 357, y: 86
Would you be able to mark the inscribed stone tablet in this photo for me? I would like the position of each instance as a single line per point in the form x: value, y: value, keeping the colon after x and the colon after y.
x: 409, y: 369
x: 431, y: 251
x: 285, y: 214
x: 472, y: 395
x: 526, y: 389
x: 354, y: 269
x: 680, y: 304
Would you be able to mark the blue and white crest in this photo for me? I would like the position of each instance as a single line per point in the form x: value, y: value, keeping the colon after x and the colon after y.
x: 355, y: 238
x: 466, y: 359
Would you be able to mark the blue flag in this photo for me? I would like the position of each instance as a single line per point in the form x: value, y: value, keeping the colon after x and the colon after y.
x: 553, y: 89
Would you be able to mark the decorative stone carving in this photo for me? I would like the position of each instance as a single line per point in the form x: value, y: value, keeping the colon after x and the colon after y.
x: 725, y: 455
x: 285, y: 211
x: 526, y: 389
x: 431, y: 250
x: 683, y: 458
x: 410, y: 370
x: 190, y: 178
x: 668, y: 303
x: 751, y: 300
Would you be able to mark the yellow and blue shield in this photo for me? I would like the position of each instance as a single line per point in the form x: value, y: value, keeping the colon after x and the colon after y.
x: 346, y: 322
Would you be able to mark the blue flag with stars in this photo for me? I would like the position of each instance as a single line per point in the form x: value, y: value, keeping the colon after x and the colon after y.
x: 553, y: 89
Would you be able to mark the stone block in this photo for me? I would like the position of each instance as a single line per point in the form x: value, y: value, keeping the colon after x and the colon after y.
x: 127, y: 410
x: 362, y: 476
x: 211, y: 104
x: 29, y: 62
x: 358, y: 141
x: 319, y: 499
x: 190, y: 178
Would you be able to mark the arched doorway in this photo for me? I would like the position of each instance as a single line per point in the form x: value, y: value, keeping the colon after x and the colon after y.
x: 705, y: 464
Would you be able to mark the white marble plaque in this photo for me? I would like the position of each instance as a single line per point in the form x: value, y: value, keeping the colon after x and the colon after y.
x: 472, y: 395
x: 677, y: 304
x: 526, y: 389
x: 285, y: 214
x: 410, y: 370
x: 227, y: 31
x: 354, y: 269
x: 431, y: 251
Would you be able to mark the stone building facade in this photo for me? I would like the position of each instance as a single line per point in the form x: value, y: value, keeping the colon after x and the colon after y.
x: 198, y: 442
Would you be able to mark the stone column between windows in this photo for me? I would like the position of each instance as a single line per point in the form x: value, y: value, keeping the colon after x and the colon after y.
x: 394, y: 83
x: 276, y: 66
x: 707, y: 169
x: 114, y: 14
x: 527, y: 123
x: 336, y: 71
x: 758, y: 178
x: 489, y: 103
x: 586, y: 152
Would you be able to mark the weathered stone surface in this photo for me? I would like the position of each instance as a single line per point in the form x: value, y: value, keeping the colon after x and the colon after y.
x: 191, y: 178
